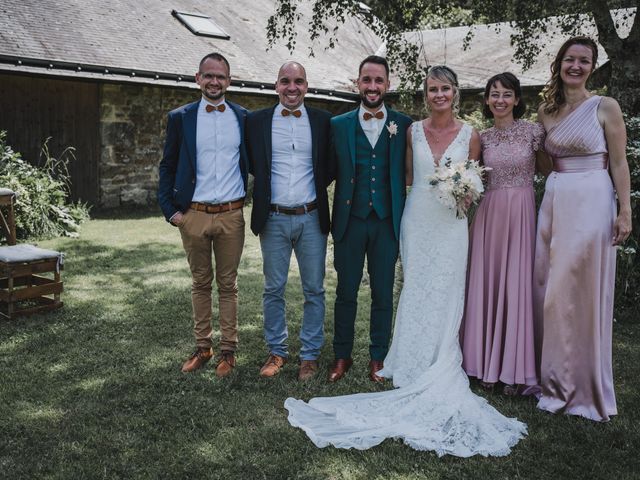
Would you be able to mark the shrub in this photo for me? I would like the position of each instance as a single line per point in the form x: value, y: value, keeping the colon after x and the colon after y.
x: 42, y: 209
x: 627, y: 300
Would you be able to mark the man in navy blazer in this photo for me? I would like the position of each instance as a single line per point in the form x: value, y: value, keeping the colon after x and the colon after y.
x: 202, y: 185
x: 288, y: 148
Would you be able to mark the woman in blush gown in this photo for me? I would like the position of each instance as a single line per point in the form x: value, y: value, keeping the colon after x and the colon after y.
x: 497, y: 334
x: 578, y: 228
x: 433, y: 408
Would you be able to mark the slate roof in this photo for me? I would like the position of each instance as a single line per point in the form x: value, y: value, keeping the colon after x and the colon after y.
x: 490, y: 52
x: 122, y: 36
x: 142, y: 36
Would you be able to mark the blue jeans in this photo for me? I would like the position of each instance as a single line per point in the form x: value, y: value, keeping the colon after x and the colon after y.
x: 301, y: 234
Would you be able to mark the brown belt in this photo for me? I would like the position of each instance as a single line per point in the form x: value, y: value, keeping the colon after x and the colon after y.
x: 217, y: 207
x: 309, y: 207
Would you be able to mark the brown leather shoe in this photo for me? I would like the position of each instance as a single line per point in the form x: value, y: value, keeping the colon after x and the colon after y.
x: 226, y: 362
x: 339, y: 368
x: 272, y: 366
x: 197, y: 359
x: 374, y: 367
x: 308, y: 369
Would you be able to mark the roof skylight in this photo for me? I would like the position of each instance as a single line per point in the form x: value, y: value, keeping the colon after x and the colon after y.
x: 201, y: 24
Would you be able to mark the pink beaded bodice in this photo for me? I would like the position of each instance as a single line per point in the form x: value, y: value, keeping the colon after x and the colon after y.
x: 511, y: 154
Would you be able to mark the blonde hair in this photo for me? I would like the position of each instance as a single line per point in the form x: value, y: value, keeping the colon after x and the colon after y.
x: 445, y: 75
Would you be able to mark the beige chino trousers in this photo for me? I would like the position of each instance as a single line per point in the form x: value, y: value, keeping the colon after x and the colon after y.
x: 223, y: 234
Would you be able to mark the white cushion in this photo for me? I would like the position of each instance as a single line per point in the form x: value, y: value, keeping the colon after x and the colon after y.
x: 27, y: 253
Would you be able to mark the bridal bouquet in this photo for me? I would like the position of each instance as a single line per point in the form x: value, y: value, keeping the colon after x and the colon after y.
x: 458, y: 183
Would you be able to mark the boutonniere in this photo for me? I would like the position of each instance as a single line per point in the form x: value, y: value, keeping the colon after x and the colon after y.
x: 392, y: 127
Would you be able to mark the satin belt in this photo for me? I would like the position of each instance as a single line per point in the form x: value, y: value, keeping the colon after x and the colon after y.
x: 598, y: 161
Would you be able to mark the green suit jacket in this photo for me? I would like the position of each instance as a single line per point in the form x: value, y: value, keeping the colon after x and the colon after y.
x: 343, y: 167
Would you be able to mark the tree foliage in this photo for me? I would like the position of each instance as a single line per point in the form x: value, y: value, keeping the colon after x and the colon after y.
x: 533, y: 22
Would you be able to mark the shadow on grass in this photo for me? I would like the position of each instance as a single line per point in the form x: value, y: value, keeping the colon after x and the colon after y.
x: 95, y: 391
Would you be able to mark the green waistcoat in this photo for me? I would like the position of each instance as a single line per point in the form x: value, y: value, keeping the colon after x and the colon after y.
x: 372, y: 190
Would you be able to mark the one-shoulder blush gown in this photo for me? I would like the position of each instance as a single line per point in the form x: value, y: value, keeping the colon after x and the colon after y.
x: 433, y: 408
x: 574, y: 270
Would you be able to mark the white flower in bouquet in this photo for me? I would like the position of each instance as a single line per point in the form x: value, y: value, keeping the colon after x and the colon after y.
x: 458, y: 183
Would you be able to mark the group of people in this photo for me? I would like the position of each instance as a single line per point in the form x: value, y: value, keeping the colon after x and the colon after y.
x: 509, y: 302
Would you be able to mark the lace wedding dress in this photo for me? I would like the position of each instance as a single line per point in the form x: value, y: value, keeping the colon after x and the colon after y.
x: 432, y: 408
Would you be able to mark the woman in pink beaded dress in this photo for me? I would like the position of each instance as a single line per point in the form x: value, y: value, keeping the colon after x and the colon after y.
x: 578, y: 228
x: 497, y: 333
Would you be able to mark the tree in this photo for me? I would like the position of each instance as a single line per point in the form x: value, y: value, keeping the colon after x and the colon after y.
x: 530, y: 19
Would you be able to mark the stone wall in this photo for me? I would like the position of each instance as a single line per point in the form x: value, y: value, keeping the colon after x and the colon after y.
x: 132, y: 131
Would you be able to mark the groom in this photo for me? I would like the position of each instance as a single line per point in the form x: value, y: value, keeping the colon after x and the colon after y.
x: 369, y: 167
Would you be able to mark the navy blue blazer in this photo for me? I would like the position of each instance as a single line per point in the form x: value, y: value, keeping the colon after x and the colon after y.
x: 259, y: 150
x: 177, y: 170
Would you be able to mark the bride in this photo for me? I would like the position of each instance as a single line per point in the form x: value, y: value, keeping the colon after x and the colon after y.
x: 433, y: 407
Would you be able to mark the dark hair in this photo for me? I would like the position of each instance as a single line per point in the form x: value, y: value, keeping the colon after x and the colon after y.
x: 215, y: 56
x: 374, y: 59
x: 509, y: 81
x: 553, y: 92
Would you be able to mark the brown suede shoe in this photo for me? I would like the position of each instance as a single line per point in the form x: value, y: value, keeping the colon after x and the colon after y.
x: 374, y: 367
x: 197, y: 359
x: 272, y: 366
x: 226, y: 362
x: 339, y: 368
x: 308, y: 369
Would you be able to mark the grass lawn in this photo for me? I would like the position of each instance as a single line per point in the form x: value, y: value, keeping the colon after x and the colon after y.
x: 94, y: 390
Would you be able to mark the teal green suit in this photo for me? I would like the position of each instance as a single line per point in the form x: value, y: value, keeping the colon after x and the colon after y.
x: 367, y: 208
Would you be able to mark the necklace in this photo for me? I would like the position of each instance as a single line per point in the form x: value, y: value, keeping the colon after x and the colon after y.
x: 573, y: 105
x: 442, y: 131
x: 436, y: 139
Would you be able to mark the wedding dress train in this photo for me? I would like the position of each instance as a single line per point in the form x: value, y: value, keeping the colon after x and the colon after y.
x: 433, y: 407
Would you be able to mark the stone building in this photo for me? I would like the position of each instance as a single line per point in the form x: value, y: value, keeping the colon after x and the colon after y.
x: 101, y: 76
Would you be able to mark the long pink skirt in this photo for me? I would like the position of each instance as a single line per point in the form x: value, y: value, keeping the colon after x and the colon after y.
x: 574, y: 279
x: 497, y: 334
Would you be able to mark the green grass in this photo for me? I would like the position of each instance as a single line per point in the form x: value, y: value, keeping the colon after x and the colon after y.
x: 94, y: 390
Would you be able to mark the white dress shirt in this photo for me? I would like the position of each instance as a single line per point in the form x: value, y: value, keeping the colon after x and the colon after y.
x: 292, y: 181
x: 372, y: 127
x: 218, y: 176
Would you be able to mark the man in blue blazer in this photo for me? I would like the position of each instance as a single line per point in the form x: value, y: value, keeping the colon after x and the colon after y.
x: 288, y: 147
x: 203, y: 182
x: 369, y: 168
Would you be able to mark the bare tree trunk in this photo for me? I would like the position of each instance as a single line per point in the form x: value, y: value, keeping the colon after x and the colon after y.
x: 624, y: 82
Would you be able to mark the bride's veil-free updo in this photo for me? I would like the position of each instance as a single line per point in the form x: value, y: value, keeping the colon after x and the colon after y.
x: 446, y: 75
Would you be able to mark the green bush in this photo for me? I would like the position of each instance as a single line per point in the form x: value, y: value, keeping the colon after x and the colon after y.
x: 627, y: 301
x: 42, y: 209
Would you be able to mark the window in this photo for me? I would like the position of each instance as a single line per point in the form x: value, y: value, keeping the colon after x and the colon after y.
x: 200, y: 24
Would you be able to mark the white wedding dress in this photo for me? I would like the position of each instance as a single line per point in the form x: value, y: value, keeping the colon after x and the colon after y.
x: 433, y: 408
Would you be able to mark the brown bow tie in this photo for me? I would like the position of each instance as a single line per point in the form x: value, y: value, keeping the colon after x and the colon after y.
x: 368, y: 116
x: 221, y: 108
x: 295, y: 113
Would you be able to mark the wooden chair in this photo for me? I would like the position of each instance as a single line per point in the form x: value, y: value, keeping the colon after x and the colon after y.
x: 23, y: 289
x: 8, y: 223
